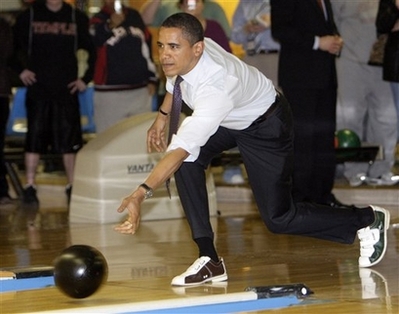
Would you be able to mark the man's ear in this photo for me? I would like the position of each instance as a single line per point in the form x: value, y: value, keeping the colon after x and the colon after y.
x: 199, y: 48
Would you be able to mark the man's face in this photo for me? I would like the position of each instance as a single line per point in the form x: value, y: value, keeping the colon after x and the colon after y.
x: 176, y: 55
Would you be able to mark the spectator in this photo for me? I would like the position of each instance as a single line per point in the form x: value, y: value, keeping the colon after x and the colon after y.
x: 6, y: 40
x: 48, y: 35
x: 212, y: 28
x: 365, y: 103
x: 125, y: 75
x: 154, y: 12
x: 309, y: 45
x: 251, y: 29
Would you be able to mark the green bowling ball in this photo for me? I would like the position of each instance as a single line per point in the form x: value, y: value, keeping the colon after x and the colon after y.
x: 346, y: 143
x: 346, y: 138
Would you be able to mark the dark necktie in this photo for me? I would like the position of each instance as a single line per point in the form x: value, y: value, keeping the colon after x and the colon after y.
x: 176, y: 108
x: 174, y: 116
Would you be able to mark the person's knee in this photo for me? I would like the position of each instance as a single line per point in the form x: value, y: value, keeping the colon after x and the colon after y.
x: 276, y: 224
x: 277, y: 213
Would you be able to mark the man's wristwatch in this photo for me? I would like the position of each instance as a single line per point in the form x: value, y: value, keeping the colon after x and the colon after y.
x: 148, y: 191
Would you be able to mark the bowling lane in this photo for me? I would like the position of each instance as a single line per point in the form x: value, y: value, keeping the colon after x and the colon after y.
x: 142, y: 266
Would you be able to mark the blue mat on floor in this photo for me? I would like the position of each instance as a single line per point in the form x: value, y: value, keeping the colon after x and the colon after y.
x: 7, y: 285
x: 231, y: 307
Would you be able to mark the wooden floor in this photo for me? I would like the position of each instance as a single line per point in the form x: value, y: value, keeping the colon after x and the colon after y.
x: 141, y: 267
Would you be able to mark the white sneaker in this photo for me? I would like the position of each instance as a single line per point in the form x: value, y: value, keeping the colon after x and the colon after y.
x: 386, y: 179
x: 373, y: 239
x: 201, y: 271
x: 358, y: 179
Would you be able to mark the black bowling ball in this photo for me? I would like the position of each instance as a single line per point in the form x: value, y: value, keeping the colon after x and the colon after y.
x: 80, y: 270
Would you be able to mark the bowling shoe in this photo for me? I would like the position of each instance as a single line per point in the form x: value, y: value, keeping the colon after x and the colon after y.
x: 201, y: 271
x: 373, y: 239
x: 30, y: 195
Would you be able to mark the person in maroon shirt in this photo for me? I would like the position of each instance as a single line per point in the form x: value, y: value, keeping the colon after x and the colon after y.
x: 212, y: 29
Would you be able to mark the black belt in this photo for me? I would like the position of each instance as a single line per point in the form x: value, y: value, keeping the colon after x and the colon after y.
x: 269, y: 111
x: 267, y: 51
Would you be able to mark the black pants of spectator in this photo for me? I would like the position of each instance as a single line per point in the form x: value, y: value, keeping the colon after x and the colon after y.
x: 314, y: 112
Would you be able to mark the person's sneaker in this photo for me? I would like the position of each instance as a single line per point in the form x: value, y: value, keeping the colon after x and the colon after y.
x: 357, y: 180
x: 373, y: 239
x: 201, y: 271
x: 387, y: 179
x: 68, y: 192
x: 30, y: 195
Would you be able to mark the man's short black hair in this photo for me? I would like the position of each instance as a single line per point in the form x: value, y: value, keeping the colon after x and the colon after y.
x: 190, y: 26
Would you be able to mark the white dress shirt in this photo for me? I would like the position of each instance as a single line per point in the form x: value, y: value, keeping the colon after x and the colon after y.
x: 222, y: 91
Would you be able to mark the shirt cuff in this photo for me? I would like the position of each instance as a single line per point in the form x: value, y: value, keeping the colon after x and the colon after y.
x: 316, y: 43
